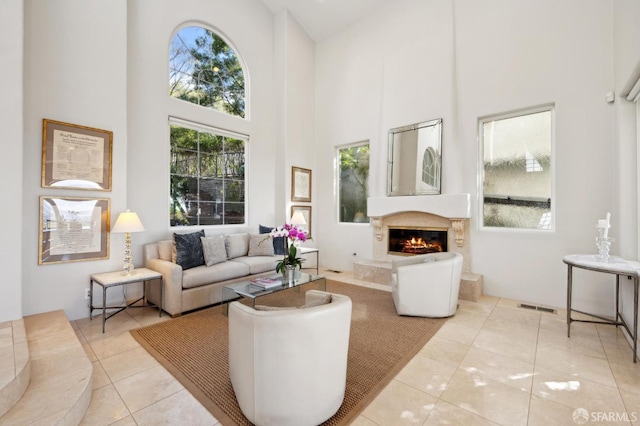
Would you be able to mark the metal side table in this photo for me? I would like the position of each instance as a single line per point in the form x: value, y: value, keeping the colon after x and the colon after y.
x: 617, y: 266
x: 119, y: 278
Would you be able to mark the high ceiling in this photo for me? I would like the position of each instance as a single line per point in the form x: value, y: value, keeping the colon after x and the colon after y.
x: 322, y: 18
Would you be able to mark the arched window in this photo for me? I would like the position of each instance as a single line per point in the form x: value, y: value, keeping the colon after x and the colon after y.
x: 207, y: 163
x: 204, y: 70
x: 430, y: 167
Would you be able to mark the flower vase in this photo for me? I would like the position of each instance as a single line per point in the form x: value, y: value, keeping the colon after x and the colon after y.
x: 289, y: 275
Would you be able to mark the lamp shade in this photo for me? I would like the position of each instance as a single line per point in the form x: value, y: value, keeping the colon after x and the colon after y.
x: 127, y: 222
x: 298, y: 218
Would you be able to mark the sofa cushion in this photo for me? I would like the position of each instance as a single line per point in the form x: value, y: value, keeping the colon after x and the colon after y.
x: 214, y: 249
x: 188, y: 249
x: 165, y: 248
x: 203, y: 275
x: 278, y: 242
x: 260, y: 245
x: 237, y: 245
x: 259, y: 264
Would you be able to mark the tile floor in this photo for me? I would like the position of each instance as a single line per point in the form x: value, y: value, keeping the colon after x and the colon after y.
x: 490, y: 364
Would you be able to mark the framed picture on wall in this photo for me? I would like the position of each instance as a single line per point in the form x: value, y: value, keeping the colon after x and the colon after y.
x: 306, y: 213
x: 76, y: 157
x: 300, y: 184
x: 73, y: 229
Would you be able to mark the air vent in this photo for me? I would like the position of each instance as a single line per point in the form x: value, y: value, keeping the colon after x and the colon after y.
x: 537, y: 308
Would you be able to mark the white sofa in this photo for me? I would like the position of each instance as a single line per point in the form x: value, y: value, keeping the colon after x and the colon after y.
x: 200, y: 286
x: 426, y: 285
x: 289, y: 367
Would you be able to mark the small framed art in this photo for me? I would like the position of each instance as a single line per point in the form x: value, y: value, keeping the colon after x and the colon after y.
x: 300, y: 184
x: 306, y: 213
x: 73, y: 229
x: 75, y: 157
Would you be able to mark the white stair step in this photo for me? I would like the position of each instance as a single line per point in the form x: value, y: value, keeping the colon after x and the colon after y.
x: 61, y: 374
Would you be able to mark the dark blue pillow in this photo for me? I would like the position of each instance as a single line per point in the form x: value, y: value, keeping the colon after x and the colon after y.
x: 278, y: 242
x: 188, y: 247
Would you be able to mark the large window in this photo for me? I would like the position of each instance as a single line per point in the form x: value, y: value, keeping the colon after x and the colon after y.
x: 207, y: 177
x: 517, y: 169
x: 204, y: 70
x: 353, y: 183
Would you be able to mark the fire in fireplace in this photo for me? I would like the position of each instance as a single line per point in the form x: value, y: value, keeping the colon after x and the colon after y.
x: 410, y: 241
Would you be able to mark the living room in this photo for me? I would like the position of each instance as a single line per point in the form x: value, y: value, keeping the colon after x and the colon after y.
x: 104, y: 64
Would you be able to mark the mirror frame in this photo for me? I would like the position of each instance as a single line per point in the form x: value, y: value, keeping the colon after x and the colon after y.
x: 390, y: 160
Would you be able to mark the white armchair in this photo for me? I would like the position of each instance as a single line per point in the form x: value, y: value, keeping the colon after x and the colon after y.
x: 289, y: 367
x: 427, y: 285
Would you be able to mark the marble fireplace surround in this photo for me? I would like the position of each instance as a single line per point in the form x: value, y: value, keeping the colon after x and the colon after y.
x: 446, y: 211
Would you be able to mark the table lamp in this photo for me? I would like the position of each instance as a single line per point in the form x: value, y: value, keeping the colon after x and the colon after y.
x: 127, y: 223
x: 298, y: 219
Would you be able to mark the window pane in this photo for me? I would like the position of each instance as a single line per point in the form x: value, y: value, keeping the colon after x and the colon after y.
x: 206, y: 178
x: 353, y: 183
x: 205, y: 71
x: 517, y: 170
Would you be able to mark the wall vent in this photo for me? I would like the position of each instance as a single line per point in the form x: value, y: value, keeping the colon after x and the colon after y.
x: 537, y: 308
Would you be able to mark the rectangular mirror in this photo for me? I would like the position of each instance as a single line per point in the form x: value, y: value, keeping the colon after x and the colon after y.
x: 415, y: 159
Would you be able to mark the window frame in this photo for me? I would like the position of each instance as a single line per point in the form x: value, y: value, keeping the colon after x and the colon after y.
x: 203, y: 128
x: 243, y: 65
x: 550, y: 107
x: 338, y: 148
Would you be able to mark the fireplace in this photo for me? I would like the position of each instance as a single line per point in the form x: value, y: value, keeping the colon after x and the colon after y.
x: 409, y: 241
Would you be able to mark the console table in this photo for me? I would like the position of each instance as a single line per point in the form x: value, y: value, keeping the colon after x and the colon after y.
x: 118, y: 278
x: 618, y: 267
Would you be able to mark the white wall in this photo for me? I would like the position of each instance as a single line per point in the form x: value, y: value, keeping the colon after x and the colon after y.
x: 11, y: 222
x: 420, y: 60
x: 514, y: 55
x: 109, y: 70
x: 627, y: 59
x: 295, y: 119
x: 74, y: 71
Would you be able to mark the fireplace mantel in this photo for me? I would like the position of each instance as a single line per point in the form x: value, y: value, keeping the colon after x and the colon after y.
x: 455, y: 207
x: 451, y: 206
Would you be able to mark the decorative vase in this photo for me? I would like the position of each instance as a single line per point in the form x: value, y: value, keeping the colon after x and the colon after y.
x: 604, y: 245
x: 289, y: 275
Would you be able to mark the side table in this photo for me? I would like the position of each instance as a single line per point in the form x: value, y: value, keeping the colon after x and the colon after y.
x: 119, y: 278
x: 617, y: 266
x: 306, y: 250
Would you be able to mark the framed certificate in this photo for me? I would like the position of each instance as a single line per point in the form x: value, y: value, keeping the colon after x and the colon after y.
x: 73, y: 229
x: 75, y: 157
x: 300, y: 184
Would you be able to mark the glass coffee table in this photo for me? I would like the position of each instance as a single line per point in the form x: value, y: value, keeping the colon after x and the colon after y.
x: 250, y: 291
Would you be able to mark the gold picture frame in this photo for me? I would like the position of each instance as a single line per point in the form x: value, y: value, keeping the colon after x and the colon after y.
x: 306, y: 213
x: 76, y: 157
x: 73, y: 229
x: 300, y: 184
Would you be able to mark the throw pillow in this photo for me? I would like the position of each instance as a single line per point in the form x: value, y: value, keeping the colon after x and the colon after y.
x: 260, y: 245
x: 317, y: 302
x: 187, y: 249
x: 214, y: 249
x: 278, y: 242
x: 237, y: 245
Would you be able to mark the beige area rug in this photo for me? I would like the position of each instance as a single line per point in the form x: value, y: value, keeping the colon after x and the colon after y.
x: 194, y: 348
